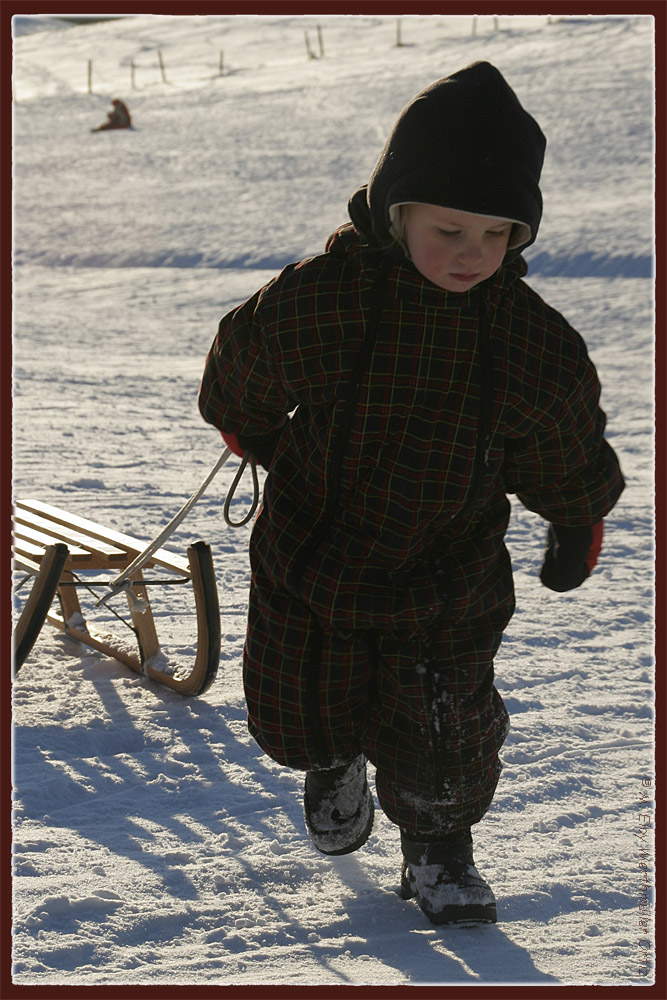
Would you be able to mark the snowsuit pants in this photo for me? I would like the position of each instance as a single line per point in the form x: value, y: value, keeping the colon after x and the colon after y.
x: 423, y: 709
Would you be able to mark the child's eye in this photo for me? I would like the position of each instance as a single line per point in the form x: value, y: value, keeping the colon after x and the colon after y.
x: 447, y: 232
x: 502, y: 232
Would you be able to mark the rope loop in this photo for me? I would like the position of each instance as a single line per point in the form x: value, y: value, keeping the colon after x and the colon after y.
x: 232, y: 490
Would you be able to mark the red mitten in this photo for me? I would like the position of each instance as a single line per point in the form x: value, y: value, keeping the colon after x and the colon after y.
x: 232, y: 442
x: 260, y: 446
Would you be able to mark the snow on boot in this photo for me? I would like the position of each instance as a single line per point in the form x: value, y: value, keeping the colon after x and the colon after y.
x: 339, y: 808
x: 447, y: 886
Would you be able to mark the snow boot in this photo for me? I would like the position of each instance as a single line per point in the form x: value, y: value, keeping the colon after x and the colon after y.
x: 338, y: 807
x: 443, y: 878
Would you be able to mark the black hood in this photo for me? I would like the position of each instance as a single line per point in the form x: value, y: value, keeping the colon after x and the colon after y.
x: 464, y: 143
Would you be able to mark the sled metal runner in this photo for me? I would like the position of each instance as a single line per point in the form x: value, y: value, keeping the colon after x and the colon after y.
x: 59, y: 549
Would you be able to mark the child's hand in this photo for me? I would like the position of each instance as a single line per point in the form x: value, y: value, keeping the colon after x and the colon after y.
x: 262, y: 446
x: 571, y: 555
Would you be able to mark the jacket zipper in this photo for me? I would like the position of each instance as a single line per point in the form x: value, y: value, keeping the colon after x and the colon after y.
x: 483, y: 443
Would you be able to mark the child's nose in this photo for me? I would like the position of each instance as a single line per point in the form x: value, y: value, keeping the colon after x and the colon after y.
x: 471, y: 252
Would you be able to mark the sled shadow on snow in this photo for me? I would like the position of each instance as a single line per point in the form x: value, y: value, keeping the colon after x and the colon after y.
x: 126, y: 791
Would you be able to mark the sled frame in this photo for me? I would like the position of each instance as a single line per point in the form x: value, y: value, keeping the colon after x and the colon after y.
x: 59, y: 550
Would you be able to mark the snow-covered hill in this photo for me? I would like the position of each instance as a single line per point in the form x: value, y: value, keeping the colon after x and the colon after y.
x: 154, y: 843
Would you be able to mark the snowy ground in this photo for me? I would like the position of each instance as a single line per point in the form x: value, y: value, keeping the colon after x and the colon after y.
x: 154, y: 843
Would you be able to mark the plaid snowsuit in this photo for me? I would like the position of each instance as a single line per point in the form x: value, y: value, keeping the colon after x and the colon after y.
x: 381, y: 584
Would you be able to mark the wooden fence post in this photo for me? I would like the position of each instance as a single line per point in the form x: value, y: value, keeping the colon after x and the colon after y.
x: 164, y: 75
x: 90, y: 76
x: 399, y: 40
x: 474, y: 26
x: 321, y: 43
x: 132, y: 77
x: 311, y: 54
x: 220, y: 64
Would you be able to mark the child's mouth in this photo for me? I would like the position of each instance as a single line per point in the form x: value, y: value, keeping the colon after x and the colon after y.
x: 465, y: 277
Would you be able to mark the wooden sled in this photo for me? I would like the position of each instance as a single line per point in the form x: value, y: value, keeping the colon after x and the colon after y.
x: 58, y: 548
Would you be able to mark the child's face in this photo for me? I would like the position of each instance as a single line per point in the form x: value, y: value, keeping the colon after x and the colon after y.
x: 455, y: 250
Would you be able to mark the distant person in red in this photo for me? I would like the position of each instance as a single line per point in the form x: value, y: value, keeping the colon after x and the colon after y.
x: 119, y: 117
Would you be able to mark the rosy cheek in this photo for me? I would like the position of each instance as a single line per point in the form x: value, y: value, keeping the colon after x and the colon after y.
x: 432, y: 258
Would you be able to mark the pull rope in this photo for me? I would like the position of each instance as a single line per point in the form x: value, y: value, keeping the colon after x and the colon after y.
x: 232, y: 490
x: 118, y: 583
x: 122, y: 582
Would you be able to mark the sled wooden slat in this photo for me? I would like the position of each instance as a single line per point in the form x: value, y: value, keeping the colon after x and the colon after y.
x: 29, y: 540
x: 60, y: 517
x: 58, y: 548
x: 27, y: 524
x: 27, y: 552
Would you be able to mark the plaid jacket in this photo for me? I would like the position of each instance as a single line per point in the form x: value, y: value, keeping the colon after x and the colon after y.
x: 415, y: 411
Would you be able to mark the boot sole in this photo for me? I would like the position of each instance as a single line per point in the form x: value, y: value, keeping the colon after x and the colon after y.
x: 464, y: 916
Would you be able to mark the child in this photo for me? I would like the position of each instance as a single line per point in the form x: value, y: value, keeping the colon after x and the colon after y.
x: 427, y: 381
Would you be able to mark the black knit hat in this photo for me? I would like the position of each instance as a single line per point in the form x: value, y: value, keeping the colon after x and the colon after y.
x: 463, y: 143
